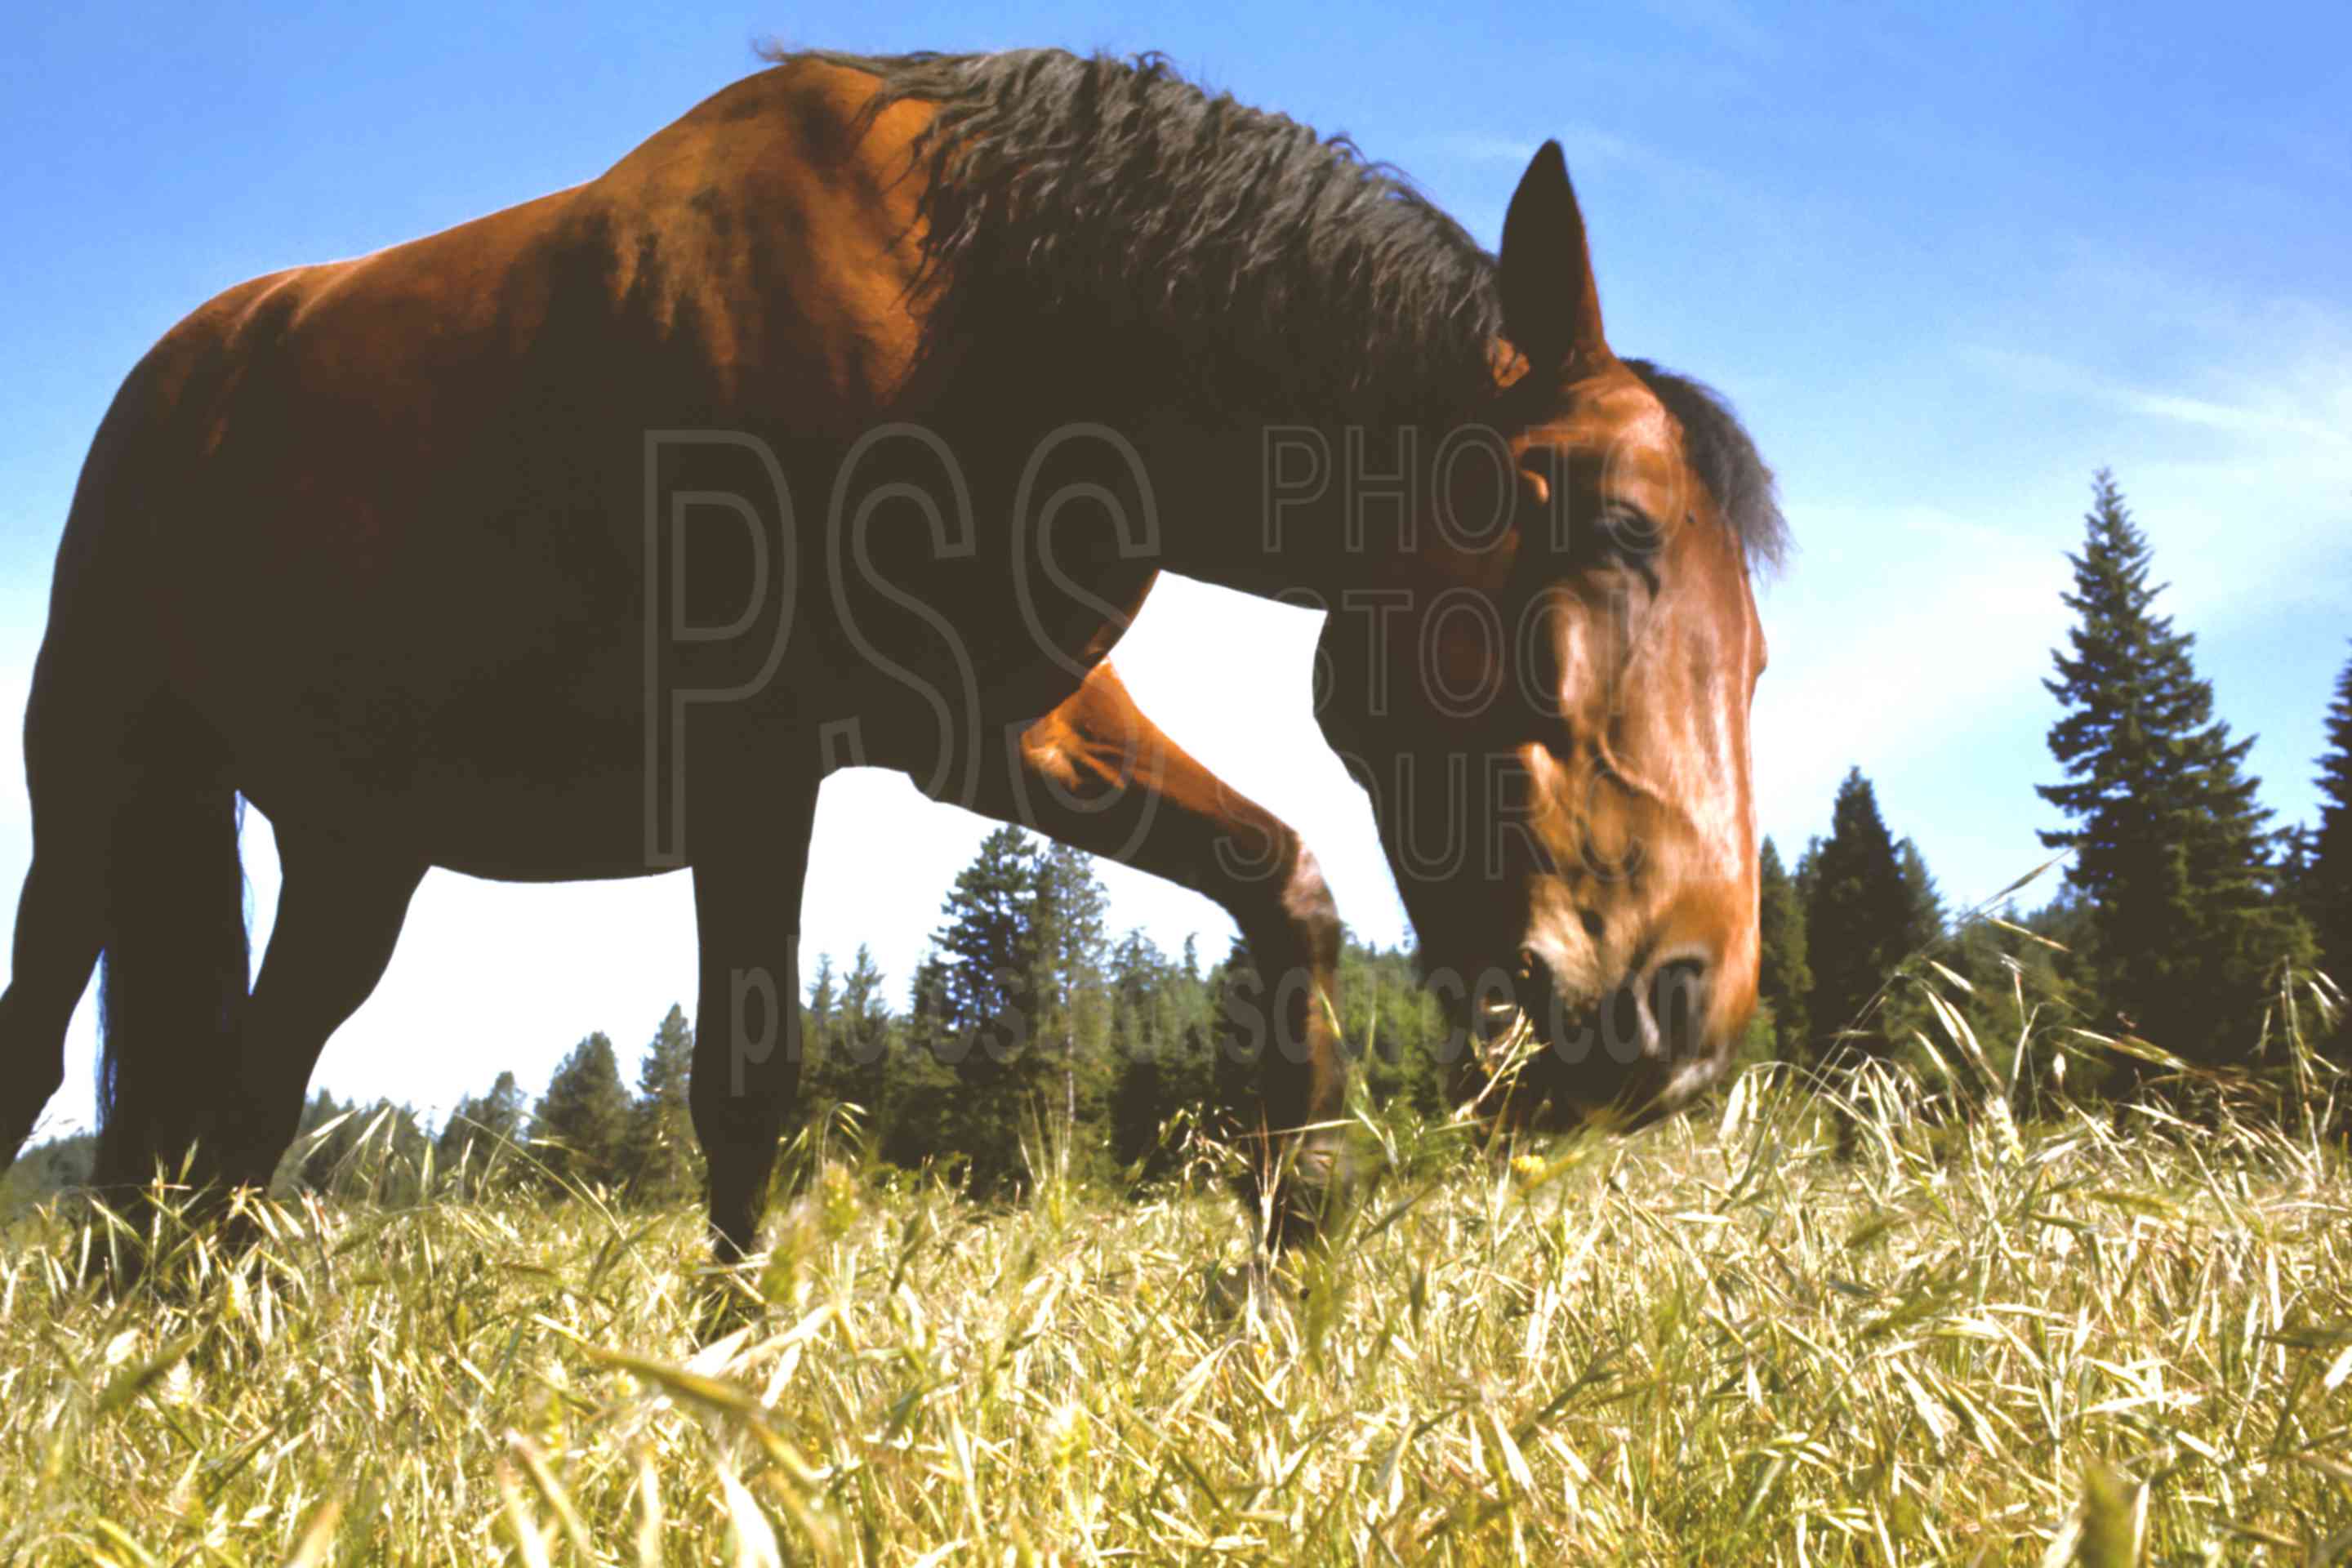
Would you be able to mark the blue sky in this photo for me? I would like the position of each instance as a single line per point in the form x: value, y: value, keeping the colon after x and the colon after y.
x: 1946, y: 261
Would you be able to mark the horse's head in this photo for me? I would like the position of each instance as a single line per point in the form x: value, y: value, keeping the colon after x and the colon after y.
x: 1552, y: 716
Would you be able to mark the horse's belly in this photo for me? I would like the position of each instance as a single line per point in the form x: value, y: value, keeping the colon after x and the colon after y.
x: 514, y: 778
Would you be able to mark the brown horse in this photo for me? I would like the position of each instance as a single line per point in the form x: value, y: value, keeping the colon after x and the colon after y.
x: 848, y: 421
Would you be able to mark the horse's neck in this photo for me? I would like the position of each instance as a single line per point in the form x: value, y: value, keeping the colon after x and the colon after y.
x: 1296, y: 511
x: 1274, y: 505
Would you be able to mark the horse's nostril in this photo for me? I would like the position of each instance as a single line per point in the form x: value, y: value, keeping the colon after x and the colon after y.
x: 1626, y: 1031
x: 1678, y: 998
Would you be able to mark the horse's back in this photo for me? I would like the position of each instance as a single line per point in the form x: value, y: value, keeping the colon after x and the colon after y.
x: 385, y: 518
x: 736, y: 266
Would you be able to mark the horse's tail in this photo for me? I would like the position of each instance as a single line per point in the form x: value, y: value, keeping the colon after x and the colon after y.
x: 172, y: 991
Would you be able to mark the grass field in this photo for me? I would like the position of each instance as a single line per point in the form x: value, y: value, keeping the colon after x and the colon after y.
x: 1722, y: 1340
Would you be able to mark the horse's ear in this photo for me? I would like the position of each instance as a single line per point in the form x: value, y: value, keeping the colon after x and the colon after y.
x: 1552, y: 308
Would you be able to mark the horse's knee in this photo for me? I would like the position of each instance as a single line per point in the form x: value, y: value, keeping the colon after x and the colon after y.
x: 1310, y: 909
x: 1289, y: 919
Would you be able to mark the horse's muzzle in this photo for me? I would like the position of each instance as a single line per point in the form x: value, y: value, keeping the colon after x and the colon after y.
x: 1560, y: 1060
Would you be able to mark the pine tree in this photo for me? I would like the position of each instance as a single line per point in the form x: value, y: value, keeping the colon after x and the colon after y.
x: 2298, y: 847
x: 816, y: 1021
x: 1808, y: 873
x: 2169, y: 842
x: 1066, y: 917
x: 2328, y: 877
x: 925, y: 1089
x: 995, y: 981
x: 583, y: 1117
x: 854, y: 1070
x: 503, y: 1110
x: 1144, y: 1040
x: 987, y: 942
x: 1785, y: 977
x: 1390, y: 1028
x: 1858, y: 915
x: 658, y: 1157
x: 480, y: 1133
x: 1925, y: 927
x: 375, y: 1153
x: 862, y: 1009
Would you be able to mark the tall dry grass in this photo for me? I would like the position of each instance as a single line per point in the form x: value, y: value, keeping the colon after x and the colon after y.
x: 1882, y: 1320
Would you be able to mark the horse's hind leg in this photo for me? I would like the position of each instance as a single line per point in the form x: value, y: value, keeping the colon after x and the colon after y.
x: 339, y: 910
x: 61, y: 914
x: 61, y: 924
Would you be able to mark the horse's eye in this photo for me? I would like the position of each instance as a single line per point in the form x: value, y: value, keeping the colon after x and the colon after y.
x: 1629, y: 531
x: 1629, y: 538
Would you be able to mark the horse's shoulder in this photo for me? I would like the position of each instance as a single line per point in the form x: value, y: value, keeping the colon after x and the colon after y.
x: 193, y: 352
x: 797, y: 128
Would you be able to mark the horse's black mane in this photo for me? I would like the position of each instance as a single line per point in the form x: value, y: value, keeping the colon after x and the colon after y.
x: 1726, y: 459
x: 1275, y: 270
x: 1278, y: 269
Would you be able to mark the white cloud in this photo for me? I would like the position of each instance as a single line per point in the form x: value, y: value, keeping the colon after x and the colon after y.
x: 2274, y: 406
x: 2255, y: 517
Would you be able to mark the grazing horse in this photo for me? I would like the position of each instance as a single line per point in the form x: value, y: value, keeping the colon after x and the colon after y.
x: 848, y: 421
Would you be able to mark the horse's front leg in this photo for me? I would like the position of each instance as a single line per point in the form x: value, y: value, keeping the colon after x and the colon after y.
x: 749, y: 849
x: 1097, y: 773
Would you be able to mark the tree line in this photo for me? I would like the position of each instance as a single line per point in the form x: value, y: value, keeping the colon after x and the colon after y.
x: 2182, y: 911
x: 1028, y: 1022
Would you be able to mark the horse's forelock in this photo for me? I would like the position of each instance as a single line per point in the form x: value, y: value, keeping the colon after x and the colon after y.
x: 1724, y: 456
